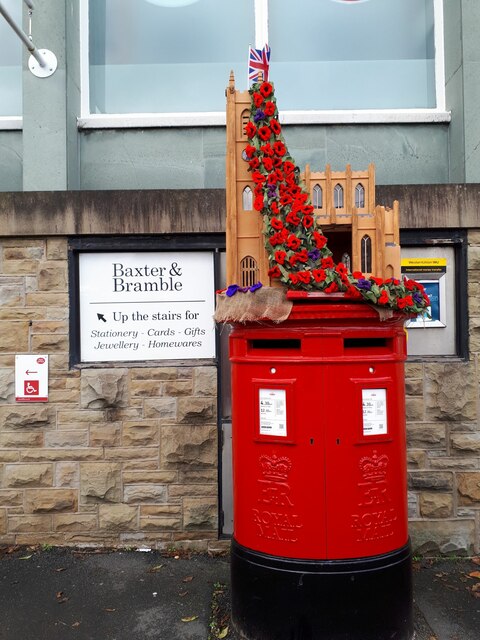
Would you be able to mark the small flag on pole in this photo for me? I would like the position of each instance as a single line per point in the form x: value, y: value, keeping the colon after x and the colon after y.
x: 258, y: 62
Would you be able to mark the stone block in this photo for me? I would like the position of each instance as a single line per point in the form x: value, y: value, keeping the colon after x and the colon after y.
x: 67, y: 474
x: 414, y: 387
x: 9, y: 455
x: 426, y: 436
x: 442, y: 537
x: 50, y: 326
x: 140, y: 434
x: 175, y: 388
x: 193, y: 446
x: 412, y: 505
x: 414, y: 409
x: 21, y: 417
x: 151, y: 523
x: 146, y: 388
x: 28, y: 475
x: 204, y: 476
x: 181, y: 490
x: 7, y: 385
x: 413, y: 370
x: 118, y: 517
x: 47, y: 299
x: 11, y: 292
x: 162, y: 409
x: 468, y: 485
x: 11, y: 498
x: 105, y: 435
x: 160, y: 510
x: 70, y: 418
x: 52, y: 276
x: 57, y: 249
x: 21, y: 439
x: 75, y: 522
x: 20, y: 267
x: 48, y: 343
x: 77, y: 438
x: 143, y: 476
x: 434, y: 480
x: 200, y: 514
x: 101, y: 388
x: 3, y: 522
x: 473, y: 258
x: 155, y: 373
x: 453, y: 464
x: 60, y: 455
x: 136, y: 493
x: 131, y: 453
x: 450, y: 391
x: 205, y: 381
x: 100, y: 482
x: 14, y: 337
x: 36, y: 524
x: 50, y: 500
x: 465, y: 442
x: 20, y: 251
x: 416, y: 459
x: 436, y: 505
x: 194, y: 410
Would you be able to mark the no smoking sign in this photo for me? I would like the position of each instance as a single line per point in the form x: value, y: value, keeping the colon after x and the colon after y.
x: 31, y: 378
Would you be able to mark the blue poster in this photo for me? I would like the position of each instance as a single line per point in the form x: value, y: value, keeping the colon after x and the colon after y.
x: 432, y: 289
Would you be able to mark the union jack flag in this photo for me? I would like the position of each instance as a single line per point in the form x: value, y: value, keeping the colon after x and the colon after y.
x: 258, y: 61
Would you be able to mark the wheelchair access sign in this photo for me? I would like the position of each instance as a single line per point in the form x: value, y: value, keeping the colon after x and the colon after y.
x: 31, y: 378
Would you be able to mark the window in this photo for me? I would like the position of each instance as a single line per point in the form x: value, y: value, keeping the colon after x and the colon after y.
x: 162, y: 56
x: 338, y: 196
x: 10, y: 62
x: 366, y: 254
x: 247, y: 199
x: 360, y: 196
x: 329, y: 60
x: 317, y: 197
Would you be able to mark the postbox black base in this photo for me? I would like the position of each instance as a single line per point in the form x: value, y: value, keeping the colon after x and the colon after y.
x: 282, y: 599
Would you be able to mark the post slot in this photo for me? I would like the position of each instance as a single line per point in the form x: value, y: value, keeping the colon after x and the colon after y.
x: 277, y: 344
x: 367, y: 342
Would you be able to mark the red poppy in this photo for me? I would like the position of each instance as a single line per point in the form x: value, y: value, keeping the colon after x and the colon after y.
x: 250, y: 151
x: 267, y: 149
x: 274, y: 272
x: 393, y: 281
x: 383, y: 299
x: 254, y: 163
x: 319, y: 275
x: 250, y: 129
x: 357, y: 275
x: 288, y: 166
x: 272, y: 178
x: 302, y: 255
x: 320, y: 241
x: 266, y: 89
x: 267, y: 163
x: 279, y: 148
x: 269, y: 108
x: 332, y: 288
x: 258, y: 99
x: 293, y: 259
x: 307, y: 222
x: 307, y: 209
x: 293, y: 242
x: 304, y: 276
x: 409, y: 301
x: 276, y: 224
x: 409, y: 284
x: 258, y: 177
x: 258, y: 203
x: 327, y: 263
x: 265, y: 133
x: 277, y: 162
x: 274, y: 208
x: 352, y: 292
x: 284, y: 200
x: 293, y: 278
x: 427, y: 299
x: 401, y: 303
x: 341, y: 269
x: 275, y: 239
x: 378, y: 281
x: 292, y: 219
x: 275, y: 127
x: 280, y: 257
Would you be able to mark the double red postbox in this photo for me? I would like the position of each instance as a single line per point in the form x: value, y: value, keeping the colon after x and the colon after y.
x: 320, y: 546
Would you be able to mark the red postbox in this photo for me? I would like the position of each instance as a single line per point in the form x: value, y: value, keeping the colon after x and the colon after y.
x: 320, y: 546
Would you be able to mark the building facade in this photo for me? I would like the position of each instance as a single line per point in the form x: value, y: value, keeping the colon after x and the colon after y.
x: 121, y: 152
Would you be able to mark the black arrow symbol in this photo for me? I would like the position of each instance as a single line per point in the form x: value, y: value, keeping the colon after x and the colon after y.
x: 100, y: 316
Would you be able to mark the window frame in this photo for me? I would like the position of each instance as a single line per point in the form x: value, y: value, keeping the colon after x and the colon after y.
x: 89, y: 120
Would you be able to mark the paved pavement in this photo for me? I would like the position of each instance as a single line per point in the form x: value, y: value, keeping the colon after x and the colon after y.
x: 57, y: 594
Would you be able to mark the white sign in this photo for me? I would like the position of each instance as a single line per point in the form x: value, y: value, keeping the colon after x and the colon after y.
x: 146, y: 306
x: 374, y: 404
x: 273, y: 412
x: 31, y: 378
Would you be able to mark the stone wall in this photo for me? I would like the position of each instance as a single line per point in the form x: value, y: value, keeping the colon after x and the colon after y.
x: 118, y: 456
x: 128, y: 455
